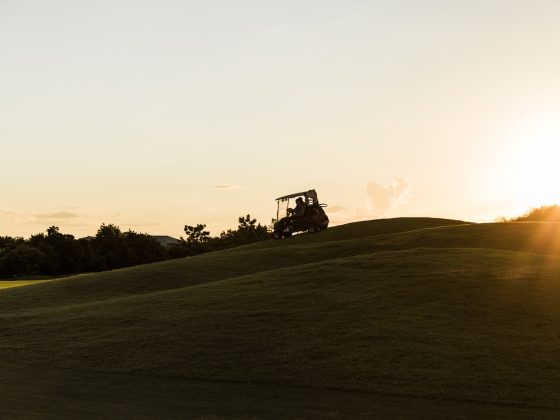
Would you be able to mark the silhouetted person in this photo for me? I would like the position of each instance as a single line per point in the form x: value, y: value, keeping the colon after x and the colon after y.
x: 300, y: 207
x: 297, y: 213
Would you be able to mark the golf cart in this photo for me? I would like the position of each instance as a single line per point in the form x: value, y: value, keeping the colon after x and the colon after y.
x: 312, y: 218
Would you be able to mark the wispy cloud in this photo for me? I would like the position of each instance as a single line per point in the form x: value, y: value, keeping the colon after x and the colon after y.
x: 225, y: 187
x: 60, y: 215
x: 79, y: 221
x: 6, y: 213
x: 13, y: 217
x: 141, y: 224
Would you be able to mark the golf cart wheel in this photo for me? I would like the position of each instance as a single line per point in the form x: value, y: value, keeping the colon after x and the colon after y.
x: 277, y: 235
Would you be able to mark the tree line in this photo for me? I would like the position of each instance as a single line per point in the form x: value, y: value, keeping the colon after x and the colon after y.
x: 54, y: 253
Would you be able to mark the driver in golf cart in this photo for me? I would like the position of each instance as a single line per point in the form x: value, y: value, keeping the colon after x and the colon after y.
x: 299, y: 211
x: 296, y: 215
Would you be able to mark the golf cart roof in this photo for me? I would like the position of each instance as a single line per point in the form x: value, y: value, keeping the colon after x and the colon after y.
x: 300, y: 194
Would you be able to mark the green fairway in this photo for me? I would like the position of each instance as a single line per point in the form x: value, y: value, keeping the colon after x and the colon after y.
x: 401, y: 318
x: 17, y: 283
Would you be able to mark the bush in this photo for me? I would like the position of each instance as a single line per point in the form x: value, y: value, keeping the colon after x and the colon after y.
x: 23, y: 260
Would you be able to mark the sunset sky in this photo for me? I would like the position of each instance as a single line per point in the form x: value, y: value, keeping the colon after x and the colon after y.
x: 156, y: 114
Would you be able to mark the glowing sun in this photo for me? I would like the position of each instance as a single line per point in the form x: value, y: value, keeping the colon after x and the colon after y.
x: 535, y: 166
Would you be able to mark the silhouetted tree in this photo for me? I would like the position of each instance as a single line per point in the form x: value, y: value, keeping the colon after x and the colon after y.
x: 54, y: 253
x: 179, y: 250
x: 140, y: 248
x: 63, y: 254
x: 22, y: 260
x: 197, y: 239
x: 7, y: 242
x: 248, y: 231
x: 109, y: 245
x: 196, y: 234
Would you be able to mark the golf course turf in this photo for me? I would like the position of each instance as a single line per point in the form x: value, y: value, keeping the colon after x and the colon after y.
x: 397, y: 318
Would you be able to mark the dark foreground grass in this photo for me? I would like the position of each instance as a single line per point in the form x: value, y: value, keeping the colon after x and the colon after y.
x: 75, y: 394
x: 449, y: 322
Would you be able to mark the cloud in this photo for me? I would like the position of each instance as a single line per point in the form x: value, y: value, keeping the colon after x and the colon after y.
x: 6, y: 213
x: 380, y: 200
x: 60, y: 215
x: 336, y: 209
x: 383, y: 199
x: 141, y: 224
x: 225, y: 187
x: 14, y: 217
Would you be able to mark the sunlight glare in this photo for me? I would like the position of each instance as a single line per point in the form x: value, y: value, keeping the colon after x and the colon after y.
x: 535, y: 174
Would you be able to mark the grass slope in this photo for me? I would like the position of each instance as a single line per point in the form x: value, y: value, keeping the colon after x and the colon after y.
x: 17, y: 283
x: 459, y: 319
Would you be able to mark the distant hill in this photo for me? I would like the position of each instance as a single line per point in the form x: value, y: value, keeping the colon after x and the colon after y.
x: 398, y: 318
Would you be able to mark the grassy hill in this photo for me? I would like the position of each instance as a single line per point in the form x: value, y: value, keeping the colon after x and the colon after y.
x: 395, y: 318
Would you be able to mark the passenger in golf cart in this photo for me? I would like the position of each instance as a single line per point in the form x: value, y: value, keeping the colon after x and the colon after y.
x: 308, y: 215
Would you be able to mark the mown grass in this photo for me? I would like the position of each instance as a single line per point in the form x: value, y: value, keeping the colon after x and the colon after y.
x: 458, y: 313
x: 541, y: 238
x: 17, y: 283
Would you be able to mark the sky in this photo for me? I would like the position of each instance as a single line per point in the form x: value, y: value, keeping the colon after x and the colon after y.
x: 156, y: 114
